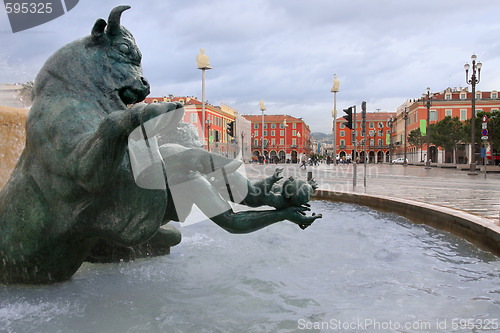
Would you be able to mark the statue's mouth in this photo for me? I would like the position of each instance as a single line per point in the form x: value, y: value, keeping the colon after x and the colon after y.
x: 135, y: 93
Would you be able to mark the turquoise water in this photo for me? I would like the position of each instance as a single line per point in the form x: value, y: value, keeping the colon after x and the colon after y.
x: 355, y: 270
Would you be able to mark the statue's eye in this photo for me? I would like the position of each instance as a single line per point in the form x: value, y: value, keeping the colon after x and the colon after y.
x: 124, y: 48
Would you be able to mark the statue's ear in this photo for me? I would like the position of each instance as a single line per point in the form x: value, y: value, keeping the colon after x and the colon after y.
x: 98, y: 29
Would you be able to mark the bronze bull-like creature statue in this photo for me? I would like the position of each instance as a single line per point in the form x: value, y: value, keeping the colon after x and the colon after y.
x: 73, y: 192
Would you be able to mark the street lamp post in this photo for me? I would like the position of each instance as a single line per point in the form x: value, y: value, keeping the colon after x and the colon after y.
x: 262, y: 108
x: 391, y: 121
x: 473, y: 81
x: 285, y: 126
x: 428, y: 103
x: 208, y: 127
x: 202, y: 63
x: 298, y: 143
x: 406, y: 137
x: 335, y: 90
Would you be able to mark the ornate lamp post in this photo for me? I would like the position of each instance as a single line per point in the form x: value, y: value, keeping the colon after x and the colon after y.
x: 202, y: 63
x: 428, y: 104
x: 335, y: 90
x: 262, y: 108
x: 476, y: 67
x: 406, y: 137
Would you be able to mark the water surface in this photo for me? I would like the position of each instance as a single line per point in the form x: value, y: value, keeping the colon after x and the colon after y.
x: 354, y: 266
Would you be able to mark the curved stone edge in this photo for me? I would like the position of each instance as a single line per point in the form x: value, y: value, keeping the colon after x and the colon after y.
x: 482, y: 232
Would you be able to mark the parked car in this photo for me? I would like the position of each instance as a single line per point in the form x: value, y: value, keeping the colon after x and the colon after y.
x: 399, y: 161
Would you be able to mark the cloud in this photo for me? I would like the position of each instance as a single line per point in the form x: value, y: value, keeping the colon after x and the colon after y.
x: 384, y: 52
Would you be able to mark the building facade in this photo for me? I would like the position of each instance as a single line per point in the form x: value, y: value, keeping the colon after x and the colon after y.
x: 452, y: 102
x: 214, y: 131
x: 377, y: 138
x: 280, y: 138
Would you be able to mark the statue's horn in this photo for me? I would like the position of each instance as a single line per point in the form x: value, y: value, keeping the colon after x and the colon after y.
x: 114, y: 19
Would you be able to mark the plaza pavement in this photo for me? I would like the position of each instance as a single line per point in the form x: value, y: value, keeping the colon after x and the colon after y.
x: 439, y: 186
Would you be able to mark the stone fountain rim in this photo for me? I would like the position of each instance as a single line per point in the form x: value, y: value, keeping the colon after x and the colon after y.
x: 481, y: 231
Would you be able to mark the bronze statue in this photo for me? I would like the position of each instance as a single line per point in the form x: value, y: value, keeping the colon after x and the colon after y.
x: 73, y: 194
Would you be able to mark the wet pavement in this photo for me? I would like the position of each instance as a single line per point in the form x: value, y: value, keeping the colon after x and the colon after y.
x: 439, y: 186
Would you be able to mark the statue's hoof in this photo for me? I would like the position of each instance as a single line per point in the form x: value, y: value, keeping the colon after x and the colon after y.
x: 167, y: 236
x: 158, y: 245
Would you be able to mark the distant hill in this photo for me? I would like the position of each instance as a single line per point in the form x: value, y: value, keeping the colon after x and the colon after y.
x: 321, y: 137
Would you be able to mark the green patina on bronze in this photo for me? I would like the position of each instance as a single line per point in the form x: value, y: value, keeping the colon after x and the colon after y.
x: 72, y: 195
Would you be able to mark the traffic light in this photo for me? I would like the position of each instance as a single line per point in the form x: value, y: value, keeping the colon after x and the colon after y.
x: 348, y: 117
x: 363, y: 116
x: 230, y: 128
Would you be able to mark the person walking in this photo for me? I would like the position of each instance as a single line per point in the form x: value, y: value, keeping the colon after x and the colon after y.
x: 303, y: 161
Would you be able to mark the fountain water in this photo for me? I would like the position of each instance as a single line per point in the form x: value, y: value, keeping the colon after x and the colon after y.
x: 356, y: 265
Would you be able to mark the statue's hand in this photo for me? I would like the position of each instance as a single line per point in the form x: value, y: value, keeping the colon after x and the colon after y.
x: 277, y: 174
x: 154, y: 110
x: 313, y: 184
x: 157, y: 117
x: 297, y: 215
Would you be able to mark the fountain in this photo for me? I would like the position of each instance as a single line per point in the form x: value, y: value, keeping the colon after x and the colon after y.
x: 368, y: 270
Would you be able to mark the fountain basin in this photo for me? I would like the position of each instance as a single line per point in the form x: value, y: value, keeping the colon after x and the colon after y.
x: 354, y: 265
x: 482, y: 232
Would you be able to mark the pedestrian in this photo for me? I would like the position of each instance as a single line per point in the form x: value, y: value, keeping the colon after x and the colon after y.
x: 303, y: 161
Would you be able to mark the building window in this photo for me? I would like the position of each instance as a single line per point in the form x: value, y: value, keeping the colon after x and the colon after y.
x: 256, y: 142
x: 371, y: 125
x: 478, y: 110
x: 342, y: 133
x: 193, y: 118
x: 379, y: 133
x: 265, y: 133
x: 463, y: 96
x: 282, y: 125
x: 342, y: 125
x: 372, y: 142
x: 494, y: 95
x: 294, y: 125
x: 478, y: 95
x: 256, y: 133
x: 265, y: 125
x: 433, y: 115
x: 380, y: 142
x: 448, y: 113
x: 463, y: 114
x: 282, y: 142
x: 273, y: 133
x: 447, y: 96
x: 342, y: 143
x: 255, y: 126
x: 380, y: 125
x: 294, y: 133
x: 273, y: 142
x: 294, y: 142
x: 282, y: 132
x: 273, y: 125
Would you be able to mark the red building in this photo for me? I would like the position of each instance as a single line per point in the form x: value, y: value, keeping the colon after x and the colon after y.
x: 450, y: 102
x: 217, y: 118
x: 285, y: 137
x: 378, y: 132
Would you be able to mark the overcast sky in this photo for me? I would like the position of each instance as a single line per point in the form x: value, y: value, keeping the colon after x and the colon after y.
x: 286, y: 52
